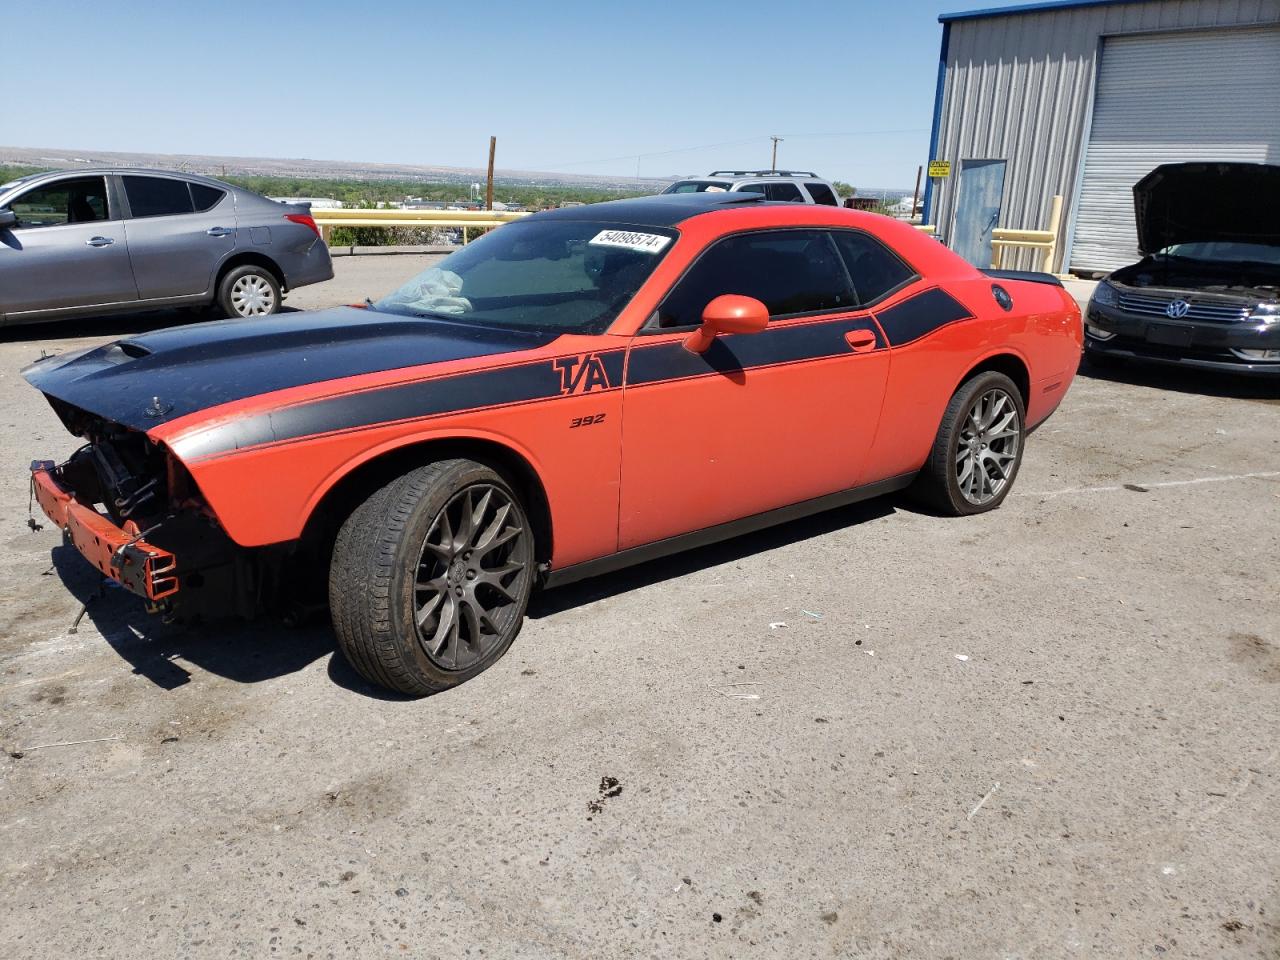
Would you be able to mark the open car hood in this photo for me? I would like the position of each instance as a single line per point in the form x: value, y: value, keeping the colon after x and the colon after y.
x: 146, y: 380
x: 1206, y: 202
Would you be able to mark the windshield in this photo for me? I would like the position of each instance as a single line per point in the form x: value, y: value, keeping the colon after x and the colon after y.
x: 1226, y: 252
x: 698, y: 186
x: 568, y: 276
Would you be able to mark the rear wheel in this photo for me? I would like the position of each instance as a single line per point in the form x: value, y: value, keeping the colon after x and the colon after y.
x: 978, y: 450
x: 431, y: 576
x: 249, y: 291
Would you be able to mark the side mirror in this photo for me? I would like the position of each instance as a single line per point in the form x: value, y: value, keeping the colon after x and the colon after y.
x: 8, y: 219
x: 728, y: 313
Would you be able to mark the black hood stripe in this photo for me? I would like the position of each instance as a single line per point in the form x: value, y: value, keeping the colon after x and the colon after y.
x: 570, y: 375
x: 197, y: 367
x: 503, y: 386
x: 738, y: 352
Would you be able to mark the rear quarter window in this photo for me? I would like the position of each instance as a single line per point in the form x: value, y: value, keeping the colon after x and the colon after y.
x: 874, y: 268
x: 205, y: 197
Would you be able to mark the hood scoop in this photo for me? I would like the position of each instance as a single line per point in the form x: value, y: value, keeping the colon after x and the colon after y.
x: 152, y: 378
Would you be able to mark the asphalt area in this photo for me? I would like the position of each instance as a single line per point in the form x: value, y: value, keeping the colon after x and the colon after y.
x: 1051, y: 731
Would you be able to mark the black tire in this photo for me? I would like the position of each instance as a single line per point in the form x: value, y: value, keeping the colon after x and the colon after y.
x: 939, y: 483
x: 233, y: 298
x: 384, y: 561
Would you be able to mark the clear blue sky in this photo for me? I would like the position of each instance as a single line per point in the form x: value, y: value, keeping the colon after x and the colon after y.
x: 575, y: 86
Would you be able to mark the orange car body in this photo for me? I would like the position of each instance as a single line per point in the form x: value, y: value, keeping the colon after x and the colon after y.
x: 632, y: 439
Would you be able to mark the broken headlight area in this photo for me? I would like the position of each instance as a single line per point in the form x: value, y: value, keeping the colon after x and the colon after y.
x: 130, y: 508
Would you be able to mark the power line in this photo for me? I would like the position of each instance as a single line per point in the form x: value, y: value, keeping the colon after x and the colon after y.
x: 659, y: 153
x: 729, y: 143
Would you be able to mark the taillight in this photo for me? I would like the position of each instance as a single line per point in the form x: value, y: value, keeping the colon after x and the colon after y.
x: 305, y: 219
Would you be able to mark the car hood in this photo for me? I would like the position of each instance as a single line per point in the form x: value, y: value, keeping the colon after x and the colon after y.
x: 1204, y: 202
x: 150, y: 379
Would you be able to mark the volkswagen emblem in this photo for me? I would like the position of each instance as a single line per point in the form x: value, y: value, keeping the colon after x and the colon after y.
x: 1177, y: 309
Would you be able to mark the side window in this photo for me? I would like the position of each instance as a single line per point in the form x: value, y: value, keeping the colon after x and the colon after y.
x: 78, y: 200
x: 790, y: 271
x: 751, y: 188
x: 874, y: 268
x: 821, y: 193
x: 157, y: 196
x: 787, y: 192
x: 205, y: 197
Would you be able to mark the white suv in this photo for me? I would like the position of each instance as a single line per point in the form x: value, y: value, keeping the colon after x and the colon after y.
x: 792, y: 186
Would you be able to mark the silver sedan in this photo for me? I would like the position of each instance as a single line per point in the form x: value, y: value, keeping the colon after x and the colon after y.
x: 101, y: 241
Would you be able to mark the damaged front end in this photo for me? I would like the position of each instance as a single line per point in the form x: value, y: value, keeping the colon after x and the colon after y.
x: 135, y: 513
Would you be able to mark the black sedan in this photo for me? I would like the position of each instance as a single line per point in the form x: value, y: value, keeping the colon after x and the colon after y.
x: 1207, y: 292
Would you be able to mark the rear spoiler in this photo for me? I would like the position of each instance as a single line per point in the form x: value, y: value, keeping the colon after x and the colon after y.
x: 1028, y: 275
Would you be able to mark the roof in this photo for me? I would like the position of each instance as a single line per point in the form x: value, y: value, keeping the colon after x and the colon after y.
x: 1042, y: 7
x: 125, y: 171
x: 663, y: 210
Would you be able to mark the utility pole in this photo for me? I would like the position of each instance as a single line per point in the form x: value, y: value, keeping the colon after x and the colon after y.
x: 774, y: 163
x: 915, y: 198
x: 488, y: 191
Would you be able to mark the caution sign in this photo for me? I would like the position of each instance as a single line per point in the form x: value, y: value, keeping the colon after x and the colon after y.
x: 939, y: 168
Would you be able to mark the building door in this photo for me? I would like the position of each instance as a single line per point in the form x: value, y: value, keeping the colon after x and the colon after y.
x: 1171, y: 98
x: 978, y: 209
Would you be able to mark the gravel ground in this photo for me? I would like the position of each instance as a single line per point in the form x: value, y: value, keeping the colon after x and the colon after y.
x: 1050, y: 731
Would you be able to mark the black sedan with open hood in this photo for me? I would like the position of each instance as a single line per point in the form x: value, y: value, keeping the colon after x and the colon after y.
x: 1207, y: 291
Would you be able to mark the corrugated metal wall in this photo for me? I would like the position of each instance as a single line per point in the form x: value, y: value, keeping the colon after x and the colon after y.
x: 1020, y: 87
x: 1171, y: 98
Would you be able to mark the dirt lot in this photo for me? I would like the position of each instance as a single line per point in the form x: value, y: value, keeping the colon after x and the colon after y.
x: 1047, y: 732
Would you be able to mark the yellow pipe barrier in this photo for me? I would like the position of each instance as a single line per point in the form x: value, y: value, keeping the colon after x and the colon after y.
x: 326, y: 220
x: 1002, y: 237
x: 1046, y: 240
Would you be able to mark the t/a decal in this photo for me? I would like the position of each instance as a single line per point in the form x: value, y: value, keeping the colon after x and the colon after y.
x: 581, y: 374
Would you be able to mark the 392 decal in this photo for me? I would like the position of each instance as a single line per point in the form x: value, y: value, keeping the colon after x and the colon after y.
x: 586, y: 421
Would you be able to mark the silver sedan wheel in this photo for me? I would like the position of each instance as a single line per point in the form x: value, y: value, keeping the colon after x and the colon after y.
x: 253, y: 296
x: 988, y: 447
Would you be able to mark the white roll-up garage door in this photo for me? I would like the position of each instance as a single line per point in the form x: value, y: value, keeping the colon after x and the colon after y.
x: 1167, y: 98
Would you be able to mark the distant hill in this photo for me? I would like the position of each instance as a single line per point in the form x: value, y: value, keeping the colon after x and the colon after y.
x: 215, y: 166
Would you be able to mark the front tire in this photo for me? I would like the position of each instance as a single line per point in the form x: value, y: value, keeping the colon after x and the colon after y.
x: 431, y: 576
x: 249, y: 291
x: 978, y: 450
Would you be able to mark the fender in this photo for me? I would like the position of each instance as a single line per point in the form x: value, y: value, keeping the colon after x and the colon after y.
x: 336, y: 476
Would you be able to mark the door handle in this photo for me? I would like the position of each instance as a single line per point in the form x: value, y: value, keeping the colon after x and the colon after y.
x: 219, y: 232
x: 100, y: 241
x: 861, y: 340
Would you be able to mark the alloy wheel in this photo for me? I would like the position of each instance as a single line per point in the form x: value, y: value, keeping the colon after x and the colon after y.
x: 987, y: 450
x: 470, y: 572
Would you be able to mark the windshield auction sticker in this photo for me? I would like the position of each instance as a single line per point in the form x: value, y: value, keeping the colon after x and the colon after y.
x: 629, y: 240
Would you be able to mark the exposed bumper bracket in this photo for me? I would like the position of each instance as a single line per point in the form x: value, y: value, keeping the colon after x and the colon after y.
x: 121, y: 554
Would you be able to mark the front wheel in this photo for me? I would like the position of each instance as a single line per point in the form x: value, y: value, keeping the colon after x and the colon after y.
x: 249, y: 291
x: 431, y: 576
x: 978, y: 450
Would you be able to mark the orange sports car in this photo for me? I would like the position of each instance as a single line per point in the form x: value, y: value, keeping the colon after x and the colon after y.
x: 582, y: 389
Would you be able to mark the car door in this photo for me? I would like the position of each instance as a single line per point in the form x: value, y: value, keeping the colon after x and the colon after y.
x: 179, y: 232
x: 758, y: 421
x: 67, y: 250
